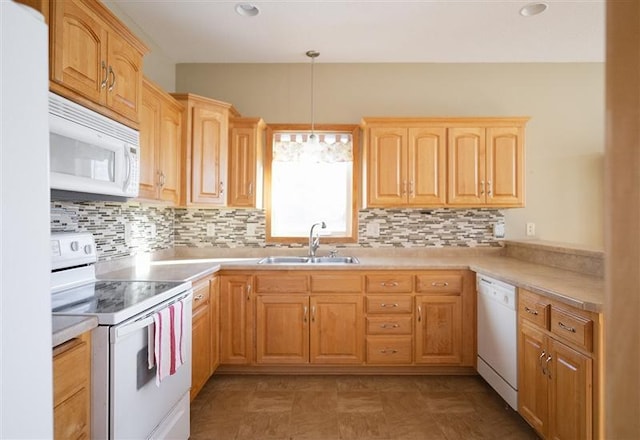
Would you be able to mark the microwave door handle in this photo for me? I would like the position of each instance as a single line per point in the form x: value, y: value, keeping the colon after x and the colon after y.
x: 127, y: 156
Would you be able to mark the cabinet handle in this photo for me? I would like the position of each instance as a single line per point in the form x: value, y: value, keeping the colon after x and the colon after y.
x: 540, y: 361
x: 411, y: 188
x: 198, y: 297
x: 404, y: 187
x: 250, y: 188
x: 248, y: 292
x: 103, y: 84
x: 482, y: 187
x: 439, y: 284
x: 531, y: 311
x: 489, y: 191
x: 546, y: 364
x: 113, y: 75
x: 313, y: 313
x: 566, y: 327
x: 389, y: 305
x: 221, y: 187
x: 389, y: 284
x: 304, y: 317
x: 163, y: 179
x: 419, y: 313
x: 388, y: 350
x: 389, y: 325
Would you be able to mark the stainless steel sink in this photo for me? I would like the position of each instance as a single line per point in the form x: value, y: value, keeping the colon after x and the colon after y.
x: 309, y: 260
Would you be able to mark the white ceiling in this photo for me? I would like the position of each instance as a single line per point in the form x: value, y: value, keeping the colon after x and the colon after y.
x: 357, y: 31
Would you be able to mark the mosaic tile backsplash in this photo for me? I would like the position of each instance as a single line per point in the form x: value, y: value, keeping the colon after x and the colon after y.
x: 151, y: 227
x: 154, y: 228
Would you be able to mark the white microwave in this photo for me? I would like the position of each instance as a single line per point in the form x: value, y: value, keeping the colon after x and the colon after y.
x: 90, y: 153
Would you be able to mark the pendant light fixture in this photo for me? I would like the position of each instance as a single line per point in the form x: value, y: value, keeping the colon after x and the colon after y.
x: 313, y: 138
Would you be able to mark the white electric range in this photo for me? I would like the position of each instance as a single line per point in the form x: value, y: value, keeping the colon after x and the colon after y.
x: 126, y: 402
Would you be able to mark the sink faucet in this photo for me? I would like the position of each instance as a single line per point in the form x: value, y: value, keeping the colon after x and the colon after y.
x: 314, y: 242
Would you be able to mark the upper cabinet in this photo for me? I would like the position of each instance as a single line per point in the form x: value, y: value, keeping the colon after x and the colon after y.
x: 205, y: 128
x: 432, y: 162
x: 485, y: 164
x: 160, y: 145
x: 95, y: 60
x: 246, y: 137
x: 405, y: 165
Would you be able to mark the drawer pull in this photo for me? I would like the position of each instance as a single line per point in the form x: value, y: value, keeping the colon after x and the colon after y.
x: 389, y: 305
x: 439, y: 284
x: 198, y: 297
x: 531, y: 311
x: 389, y: 325
x: 566, y: 327
x: 388, y: 350
x: 389, y: 284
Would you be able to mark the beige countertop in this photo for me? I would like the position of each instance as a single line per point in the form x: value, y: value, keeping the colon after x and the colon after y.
x: 573, y: 288
x: 65, y: 328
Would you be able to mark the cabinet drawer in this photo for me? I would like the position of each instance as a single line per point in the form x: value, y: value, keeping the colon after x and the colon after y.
x: 389, y: 304
x: 71, y: 368
x: 534, y: 308
x: 572, y: 327
x: 336, y: 283
x: 388, y: 283
x: 280, y: 283
x: 439, y: 283
x: 392, y: 325
x: 389, y: 350
x: 200, y: 294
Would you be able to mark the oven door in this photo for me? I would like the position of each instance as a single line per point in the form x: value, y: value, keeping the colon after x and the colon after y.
x: 137, y: 406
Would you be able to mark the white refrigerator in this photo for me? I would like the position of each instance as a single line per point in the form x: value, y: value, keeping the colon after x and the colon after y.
x: 25, y: 300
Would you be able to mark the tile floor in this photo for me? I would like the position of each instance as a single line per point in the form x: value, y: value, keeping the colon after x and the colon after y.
x: 243, y: 407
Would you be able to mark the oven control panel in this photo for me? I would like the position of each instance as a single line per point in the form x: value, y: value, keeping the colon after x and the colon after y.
x: 72, y: 249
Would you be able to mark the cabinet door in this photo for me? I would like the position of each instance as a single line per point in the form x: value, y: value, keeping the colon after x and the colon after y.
x: 209, y: 155
x: 242, y: 167
x: 439, y: 329
x: 149, y: 143
x: 236, y: 325
x: 124, y: 82
x: 282, y: 329
x: 533, y: 384
x: 170, y: 143
x: 78, y: 50
x: 427, y: 166
x: 201, y: 338
x: 214, y: 305
x: 505, y: 174
x: 387, y: 182
x: 571, y: 394
x: 466, y: 159
x: 337, y: 329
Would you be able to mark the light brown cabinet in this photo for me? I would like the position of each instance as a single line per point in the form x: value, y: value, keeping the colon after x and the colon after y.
x: 406, y: 166
x: 557, y: 360
x: 72, y: 389
x: 236, y: 319
x: 94, y: 59
x: 205, y: 332
x: 205, y: 137
x: 486, y: 165
x: 246, y: 144
x: 431, y: 162
x: 160, y: 145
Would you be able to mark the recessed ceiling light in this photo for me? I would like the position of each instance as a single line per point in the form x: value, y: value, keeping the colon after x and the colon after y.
x: 247, y: 10
x: 533, y: 9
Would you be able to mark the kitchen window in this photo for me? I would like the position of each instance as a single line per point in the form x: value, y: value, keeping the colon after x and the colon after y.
x: 309, y: 182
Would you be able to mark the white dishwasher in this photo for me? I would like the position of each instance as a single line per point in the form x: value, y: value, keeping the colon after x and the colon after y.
x: 497, y: 337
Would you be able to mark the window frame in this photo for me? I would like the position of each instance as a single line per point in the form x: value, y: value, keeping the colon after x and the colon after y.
x: 354, y: 131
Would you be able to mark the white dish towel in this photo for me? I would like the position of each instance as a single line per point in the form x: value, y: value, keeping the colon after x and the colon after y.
x: 166, y: 337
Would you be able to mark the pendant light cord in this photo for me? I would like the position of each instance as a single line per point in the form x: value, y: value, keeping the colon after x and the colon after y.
x: 313, y: 54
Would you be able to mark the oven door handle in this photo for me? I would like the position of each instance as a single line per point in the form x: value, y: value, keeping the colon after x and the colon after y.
x: 147, y: 319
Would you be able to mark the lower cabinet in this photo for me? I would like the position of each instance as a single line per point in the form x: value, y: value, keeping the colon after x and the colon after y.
x: 236, y: 319
x: 439, y: 329
x: 205, y: 334
x: 556, y: 368
x: 302, y: 329
x: 72, y: 389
